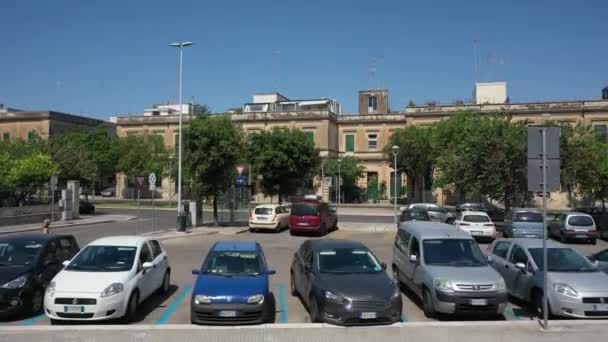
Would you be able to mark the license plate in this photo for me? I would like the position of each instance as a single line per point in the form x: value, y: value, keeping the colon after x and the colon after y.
x: 600, y: 307
x: 368, y: 315
x: 227, y: 313
x: 303, y: 223
x: 476, y: 232
x: 581, y: 236
x: 261, y: 218
x: 479, y: 302
x: 529, y: 235
x: 73, y: 308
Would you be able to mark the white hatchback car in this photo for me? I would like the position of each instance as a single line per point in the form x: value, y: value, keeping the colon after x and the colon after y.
x: 269, y: 216
x: 108, y: 279
x: 476, y: 223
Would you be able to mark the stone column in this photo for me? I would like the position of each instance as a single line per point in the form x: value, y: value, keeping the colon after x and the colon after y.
x: 121, y: 185
x: 74, y: 188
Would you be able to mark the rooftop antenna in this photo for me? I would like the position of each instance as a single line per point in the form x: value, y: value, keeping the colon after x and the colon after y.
x: 475, y: 58
x: 374, y: 69
x: 276, y: 58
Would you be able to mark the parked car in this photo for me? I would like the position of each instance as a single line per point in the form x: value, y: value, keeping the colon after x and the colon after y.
x: 576, y: 287
x: 496, y: 214
x: 524, y: 223
x: 477, y: 224
x: 436, y: 213
x: 269, y: 216
x: 574, y: 226
x: 600, y: 260
x: 445, y: 268
x: 108, y: 279
x: 341, y: 282
x: 86, y: 207
x: 600, y: 217
x: 414, y: 215
x: 231, y: 287
x: 312, y: 216
x: 27, y: 264
x: 109, y: 192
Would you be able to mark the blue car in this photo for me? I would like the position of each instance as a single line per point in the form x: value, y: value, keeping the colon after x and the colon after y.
x: 524, y: 223
x: 232, y: 286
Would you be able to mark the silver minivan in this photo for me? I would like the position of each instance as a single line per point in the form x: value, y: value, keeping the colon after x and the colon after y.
x: 445, y: 268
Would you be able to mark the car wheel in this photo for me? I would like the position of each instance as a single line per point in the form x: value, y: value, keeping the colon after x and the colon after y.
x: 593, y: 241
x: 37, y: 301
x: 166, y: 284
x: 396, y: 276
x: 323, y: 230
x: 132, y: 307
x: 427, y: 302
x: 292, y: 286
x: 56, y: 321
x: 292, y: 233
x: 563, y: 238
x: 537, y: 303
x: 277, y: 229
x: 314, y: 310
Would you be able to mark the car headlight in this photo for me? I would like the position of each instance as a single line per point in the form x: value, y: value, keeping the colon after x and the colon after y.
x: 256, y: 299
x: 50, y: 289
x: 501, y: 285
x: 335, y: 297
x: 565, y: 289
x: 16, y: 283
x: 202, y: 299
x: 444, y: 285
x: 113, y: 289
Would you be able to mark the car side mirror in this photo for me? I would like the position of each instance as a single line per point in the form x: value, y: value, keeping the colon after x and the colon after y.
x: 65, y: 263
x: 520, y: 266
x: 413, y: 258
x: 383, y: 265
x: 271, y: 272
x: 196, y: 271
x: 490, y: 259
x: 147, y: 265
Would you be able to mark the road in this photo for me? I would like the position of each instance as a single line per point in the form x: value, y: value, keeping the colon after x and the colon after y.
x: 187, y: 252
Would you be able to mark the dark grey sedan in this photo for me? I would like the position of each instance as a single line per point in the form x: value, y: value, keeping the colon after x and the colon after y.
x: 342, y: 282
x: 600, y: 260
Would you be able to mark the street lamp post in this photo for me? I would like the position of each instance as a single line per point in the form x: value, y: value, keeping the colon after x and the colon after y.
x: 395, y: 153
x: 339, y: 180
x: 181, y: 222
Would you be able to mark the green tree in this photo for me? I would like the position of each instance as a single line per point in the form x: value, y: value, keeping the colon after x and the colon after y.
x: 285, y: 159
x: 139, y: 155
x: 416, y: 155
x: 213, y: 146
x: 30, y: 173
x: 351, y: 170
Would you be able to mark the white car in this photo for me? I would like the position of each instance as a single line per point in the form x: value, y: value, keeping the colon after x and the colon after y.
x: 108, y: 279
x: 269, y: 216
x: 476, y: 223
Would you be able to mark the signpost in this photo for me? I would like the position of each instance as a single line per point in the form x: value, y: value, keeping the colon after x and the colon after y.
x: 152, y: 182
x: 543, y: 175
x: 140, y: 184
x: 53, y: 189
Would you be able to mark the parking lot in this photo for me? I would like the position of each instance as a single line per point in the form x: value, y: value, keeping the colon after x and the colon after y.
x: 188, y: 252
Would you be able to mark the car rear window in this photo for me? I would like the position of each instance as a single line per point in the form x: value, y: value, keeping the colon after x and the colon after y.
x: 475, y: 218
x: 304, y: 210
x: 528, y: 217
x: 263, y: 211
x: 580, y: 221
x: 435, y: 209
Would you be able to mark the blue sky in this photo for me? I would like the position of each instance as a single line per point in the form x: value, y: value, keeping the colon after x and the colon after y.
x: 112, y: 57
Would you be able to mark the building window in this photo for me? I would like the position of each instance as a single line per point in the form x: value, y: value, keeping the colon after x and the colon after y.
x: 310, y: 135
x: 372, y: 142
x: 601, y: 132
x: 6, y: 136
x: 350, y: 142
x: 372, y: 104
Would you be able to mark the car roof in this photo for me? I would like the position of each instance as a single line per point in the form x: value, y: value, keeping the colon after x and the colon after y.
x: 427, y: 204
x: 473, y: 212
x: 526, y: 210
x: 434, y: 230
x: 267, y: 206
x: 119, y: 240
x: 32, y: 237
x: 576, y: 213
x: 335, y: 243
x: 534, y: 243
x: 235, y: 246
x: 308, y: 202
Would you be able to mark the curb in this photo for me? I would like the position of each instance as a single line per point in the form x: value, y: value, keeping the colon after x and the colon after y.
x: 172, y: 234
x: 25, y: 230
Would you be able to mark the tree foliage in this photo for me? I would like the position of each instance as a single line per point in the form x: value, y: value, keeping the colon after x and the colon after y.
x: 139, y: 155
x: 284, y: 158
x: 351, y: 170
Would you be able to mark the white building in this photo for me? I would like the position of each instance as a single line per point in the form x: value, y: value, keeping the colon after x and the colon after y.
x: 275, y: 102
x: 490, y: 93
x: 168, y: 109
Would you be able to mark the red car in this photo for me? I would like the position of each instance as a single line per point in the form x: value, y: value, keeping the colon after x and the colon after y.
x: 312, y: 217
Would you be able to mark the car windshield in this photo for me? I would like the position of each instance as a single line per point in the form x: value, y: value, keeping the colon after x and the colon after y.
x: 304, y: 210
x: 263, y: 211
x: 434, y: 209
x: 103, y: 259
x: 348, y: 260
x: 19, y: 253
x: 528, y: 217
x: 453, y: 252
x: 233, y: 263
x: 562, y: 260
x: 415, y: 215
x: 580, y: 221
x: 476, y: 218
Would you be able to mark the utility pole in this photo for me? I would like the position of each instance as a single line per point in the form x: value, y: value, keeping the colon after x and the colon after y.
x: 395, y: 149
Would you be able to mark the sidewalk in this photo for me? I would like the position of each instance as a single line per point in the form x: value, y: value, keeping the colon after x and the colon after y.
x: 173, y: 234
x: 84, y: 220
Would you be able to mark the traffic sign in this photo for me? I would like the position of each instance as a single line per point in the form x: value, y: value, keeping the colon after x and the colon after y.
x: 239, y: 169
x: 240, y: 180
x: 54, y: 182
x: 152, y: 178
x: 140, y: 180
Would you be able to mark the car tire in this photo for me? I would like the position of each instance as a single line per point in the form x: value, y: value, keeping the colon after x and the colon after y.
x: 132, y: 307
x: 427, y: 303
x: 537, y: 304
x: 277, y: 229
x: 56, y: 321
x: 396, y: 276
x: 292, y: 285
x: 166, y: 284
x: 323, y: 230
x: 292, y: 233
x: 563, y: 238
x: 37, y: 302
x: 593, y: 241
x: 313, y: 310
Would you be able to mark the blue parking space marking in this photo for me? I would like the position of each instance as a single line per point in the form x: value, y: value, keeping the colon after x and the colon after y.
x: 176, y: 303
x: 511, y: 315
x: 33, y: 320
x: 282, y: 304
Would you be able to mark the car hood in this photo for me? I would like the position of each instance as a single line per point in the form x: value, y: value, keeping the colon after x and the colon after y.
x: 582, y: 281
x: 528, y: 225
x: 239, y: 286
x: 358, y: 286
x: 8, y: 273
x: 87, y: 282
x: 465, y: 275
